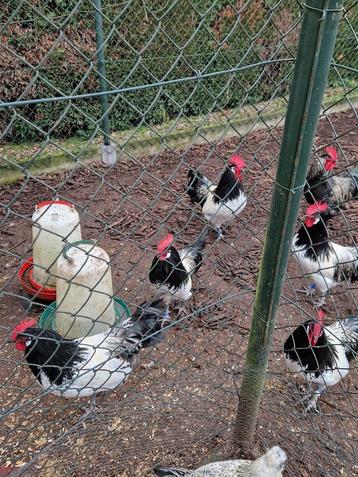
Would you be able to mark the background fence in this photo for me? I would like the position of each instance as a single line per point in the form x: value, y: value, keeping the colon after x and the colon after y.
x: 194, y: 83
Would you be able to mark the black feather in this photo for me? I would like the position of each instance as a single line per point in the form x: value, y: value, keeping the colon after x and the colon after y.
x: 315, y: 239
x: 196, y: 181
x: 170, y: 471
x: 196, y: 249
x: 170, y: 272
x: 333, y: 189
x: 315, y: 359
x: 346, y: 272
x: 145, y: 327
x: 49, y: 352
x: 229, y: 188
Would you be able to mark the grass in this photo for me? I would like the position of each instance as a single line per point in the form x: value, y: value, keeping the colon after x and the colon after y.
x: 56, y: 154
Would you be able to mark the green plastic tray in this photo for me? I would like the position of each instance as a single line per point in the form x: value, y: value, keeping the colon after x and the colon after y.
x: 47, y: 318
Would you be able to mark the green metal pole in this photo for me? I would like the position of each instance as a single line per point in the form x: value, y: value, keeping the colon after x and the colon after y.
x: 108, y: 151
x: 315, y: 49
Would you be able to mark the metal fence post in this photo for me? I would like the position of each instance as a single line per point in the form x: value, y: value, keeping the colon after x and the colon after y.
x: 108, y: 150
x: 315, y: 49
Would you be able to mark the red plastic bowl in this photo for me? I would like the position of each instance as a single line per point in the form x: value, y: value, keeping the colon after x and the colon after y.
x: 32, y: 287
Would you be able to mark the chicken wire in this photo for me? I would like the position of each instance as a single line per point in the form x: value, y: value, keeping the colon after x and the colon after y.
x: 178, y: 405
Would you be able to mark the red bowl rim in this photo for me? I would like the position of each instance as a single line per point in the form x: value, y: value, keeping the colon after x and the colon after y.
x: 45, y: 293
x: 49, y: 202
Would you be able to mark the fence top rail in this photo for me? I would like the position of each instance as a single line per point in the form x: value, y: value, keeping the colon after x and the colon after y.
x: 25, y: 102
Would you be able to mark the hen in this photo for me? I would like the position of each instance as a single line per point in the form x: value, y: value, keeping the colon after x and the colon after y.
x: 271, y: 464
x: 322, y: 354
x: 333, y: 189
x: 219, y: 203
x: 327, y: 263
x: 172, y: 269
x: 89, y: 365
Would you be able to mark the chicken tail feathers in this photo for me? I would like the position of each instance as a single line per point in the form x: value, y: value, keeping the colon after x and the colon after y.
x: 350, y: 325
x: 144, y: 327
x: 200, y: 242
x: 167, y: 471
x: 354, y: 172
x: 192, y: 256
x: 198, y: 187
x: 347, y: 271
x: 354, y: 180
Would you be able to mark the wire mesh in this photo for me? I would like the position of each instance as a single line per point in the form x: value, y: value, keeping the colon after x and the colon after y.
x: 190, y: 83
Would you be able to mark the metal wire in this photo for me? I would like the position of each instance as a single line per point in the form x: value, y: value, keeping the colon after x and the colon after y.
x: 189, y: 84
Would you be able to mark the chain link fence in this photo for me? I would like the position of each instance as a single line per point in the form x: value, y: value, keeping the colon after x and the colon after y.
x: 169, y: 87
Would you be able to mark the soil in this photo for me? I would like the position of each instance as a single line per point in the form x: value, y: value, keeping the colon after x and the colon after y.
x: 179, y: 405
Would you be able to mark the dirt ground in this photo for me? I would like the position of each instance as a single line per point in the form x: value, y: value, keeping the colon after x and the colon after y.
x: 178, y: 406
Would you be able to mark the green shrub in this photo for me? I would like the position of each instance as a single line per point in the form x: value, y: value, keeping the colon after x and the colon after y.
x: 151, y: 43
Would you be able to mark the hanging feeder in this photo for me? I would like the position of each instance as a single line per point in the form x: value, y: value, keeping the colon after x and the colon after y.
x: 85, y: 304
x: 54, y: 223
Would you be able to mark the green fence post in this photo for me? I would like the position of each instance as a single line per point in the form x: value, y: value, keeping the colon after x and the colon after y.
x: 108, y: 150
x: 315, y: 49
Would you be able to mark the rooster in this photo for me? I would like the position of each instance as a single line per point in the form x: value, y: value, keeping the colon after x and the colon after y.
x: 172, y: 269
x: 327, y: 263
x: 333, y: 189
x: 271, y: 464
x: 322, y: 354
x: 223, y: 202
x: 87, y: 366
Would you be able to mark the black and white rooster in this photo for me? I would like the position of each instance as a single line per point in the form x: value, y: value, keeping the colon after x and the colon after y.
x: 90, y: 365
x: 219, y: 203
x: 335, y: 189
x: 172, y: 269
x: 321, y: 354
x: 326, y: 262
x: 271, y: 464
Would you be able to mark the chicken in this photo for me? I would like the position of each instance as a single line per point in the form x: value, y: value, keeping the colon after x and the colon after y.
x: 223, y: 202
x: 172, y: 270
x: 271, y: 464
x: 333, y: 189
x: 322, y: 354
x: 90, y: 365
x: 327, y: 263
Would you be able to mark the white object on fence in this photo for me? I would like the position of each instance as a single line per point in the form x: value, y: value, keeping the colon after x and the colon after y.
x: 109, y: 154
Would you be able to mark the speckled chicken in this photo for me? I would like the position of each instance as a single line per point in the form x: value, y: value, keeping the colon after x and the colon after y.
x: 271, y: 464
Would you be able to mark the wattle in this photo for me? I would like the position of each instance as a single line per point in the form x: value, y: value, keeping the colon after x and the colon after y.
x: 20, y: 346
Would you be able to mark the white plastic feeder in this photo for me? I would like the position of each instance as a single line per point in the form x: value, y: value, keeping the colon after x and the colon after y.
x: 55, y: 223
x: 85, y: 304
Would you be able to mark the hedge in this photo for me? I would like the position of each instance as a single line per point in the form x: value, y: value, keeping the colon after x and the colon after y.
x: 50, y: 51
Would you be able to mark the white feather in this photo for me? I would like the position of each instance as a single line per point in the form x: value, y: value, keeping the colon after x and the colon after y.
x: 218, y: 213
x: 182, y: 293
x: 187, y: 257
x: 322, y: 269
x: 98, y: 372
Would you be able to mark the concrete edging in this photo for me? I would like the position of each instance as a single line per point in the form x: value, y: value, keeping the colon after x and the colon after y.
x: 10, y: 173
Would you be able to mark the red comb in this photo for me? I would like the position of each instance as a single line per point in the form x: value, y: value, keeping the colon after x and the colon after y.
x: 21, y: 327
x: 237, y: 161
x: 165, y: 243
x: 316, y: 209
x: 332, y: 152
x: 321, y: 314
